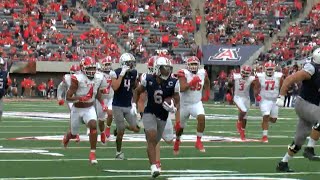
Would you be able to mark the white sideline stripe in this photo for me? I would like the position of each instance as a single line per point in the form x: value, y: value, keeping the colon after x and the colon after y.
x: 224, y: 176
x: 144, y: 159
x: 167, y: 147
x: 169, y: 171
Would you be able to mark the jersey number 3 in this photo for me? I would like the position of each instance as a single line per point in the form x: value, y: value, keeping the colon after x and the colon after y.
x: 269, y: 85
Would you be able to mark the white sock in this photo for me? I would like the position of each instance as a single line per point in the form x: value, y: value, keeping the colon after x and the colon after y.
x: 265, y: 133
x: 118, y: 152
x: 93, y: 150
x: 108, y: 126
x: 199, y: 134
x: 311, y: 142
x: 286, y: 158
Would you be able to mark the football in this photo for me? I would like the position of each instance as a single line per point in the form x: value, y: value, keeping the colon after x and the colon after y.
x: 168, y: 100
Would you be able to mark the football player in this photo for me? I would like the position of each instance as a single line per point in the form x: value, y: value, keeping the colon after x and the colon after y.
x: 193, y: 80
x: 240, y: 87
x: 82, y: 92
x: 107, y: 96
x: 159, y: 87
x: 63, y: 88
x: 124, y: 81
x: 3, y: 84
x: 270, y: 83
x: 307, y: 109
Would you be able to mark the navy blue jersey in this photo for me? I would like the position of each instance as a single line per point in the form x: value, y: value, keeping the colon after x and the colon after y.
x: 3, y: 83
x: 157, y: 93
x: 123, y: 96
x: 310, y: 89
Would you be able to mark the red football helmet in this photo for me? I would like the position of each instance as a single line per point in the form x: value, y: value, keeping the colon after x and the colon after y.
x: 74, y: 68
x: 88, y: 66
x: 270, y: 68
x: 106, y: 64
x: 193, y: 64
x: 245, y: 71
x: 150, y: 64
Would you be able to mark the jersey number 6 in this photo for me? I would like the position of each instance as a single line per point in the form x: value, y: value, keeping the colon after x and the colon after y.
x: 158, y: 96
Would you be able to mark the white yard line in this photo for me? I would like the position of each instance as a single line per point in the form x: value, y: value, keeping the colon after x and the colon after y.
x: 145, y: 159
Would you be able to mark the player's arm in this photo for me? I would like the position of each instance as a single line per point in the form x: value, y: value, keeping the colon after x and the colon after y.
x: 184, y: 86
x: 61, y: 88
x: 304, y: 74
x: 72, y: 90
x: 256, y: 87
x: 140, y: 89
x: 116, y: 80
x: 206, y: 88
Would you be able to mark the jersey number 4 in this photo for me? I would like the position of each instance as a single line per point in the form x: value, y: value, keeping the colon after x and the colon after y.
x: 127, y: 84
x: 269, y: 85
x: 197, y: 87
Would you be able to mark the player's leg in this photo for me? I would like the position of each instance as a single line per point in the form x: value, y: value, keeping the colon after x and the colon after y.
x: 132, y: 120
x: 242, y: 121
x: 90, y: 118
x: 265, y: 107
x: 197, y: 111
x: 69, y: 105
x: 167, y: 136
x: 274, y: 113
x: 120, y: 127
x: 302, y: 131
x: 1, y: 108
x: 101, y: 118
x: 75, y: 119
x: 109, y: 117
x: 183, y: 117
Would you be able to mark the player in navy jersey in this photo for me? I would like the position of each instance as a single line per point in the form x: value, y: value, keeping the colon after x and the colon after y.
x: 3, y: 84
x: 306, y: 107
x: 124, y: 81
x: 159, y: 87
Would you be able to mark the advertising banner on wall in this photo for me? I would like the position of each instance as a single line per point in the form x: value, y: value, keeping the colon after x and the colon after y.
x: 227, y: 55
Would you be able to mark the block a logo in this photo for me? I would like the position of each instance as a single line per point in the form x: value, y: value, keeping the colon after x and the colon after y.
x: 226, y: 54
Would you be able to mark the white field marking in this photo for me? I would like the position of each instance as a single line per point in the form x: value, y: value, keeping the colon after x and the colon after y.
x: 36, y: 121
x: 34, y: 132
x: 228, y: 177
x: 170, y: 147
x: 145, y: 159
x: 189, y: 171
x: 32, y: 126
x: 27, y: 151
x: 192, y: 177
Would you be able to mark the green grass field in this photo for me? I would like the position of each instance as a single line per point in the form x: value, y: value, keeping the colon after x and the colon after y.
x: 46, y: 159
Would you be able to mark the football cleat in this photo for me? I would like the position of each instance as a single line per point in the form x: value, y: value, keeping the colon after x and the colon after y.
x: 309, y: 154
x: 107, y: 132
x: 120, y: 156
x: 159, y: 165
x: 92, y: 158
x: 264, y: 139
x: 155, y: 172
x: 176, y: 147
x: 199, y: 146
x: 103, y: 138
x: 283, y: 167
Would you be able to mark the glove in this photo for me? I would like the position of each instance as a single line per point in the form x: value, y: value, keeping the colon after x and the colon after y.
x: 280, y: 101
x: 88, y: 96
x: 258, y: 98
x: 194, y: 81
x: 104, y: 107
x: 177, y: 126
x: 169, y: 108
x: 133, y: 109
x: 124, y: 70
x: 228, y: 97
x: 61, y: 102
x: 206, y: 95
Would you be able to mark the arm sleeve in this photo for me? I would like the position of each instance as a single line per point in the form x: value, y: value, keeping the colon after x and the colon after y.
x: 113, y: 74
x: 61, y: 88
x: 144, y: 80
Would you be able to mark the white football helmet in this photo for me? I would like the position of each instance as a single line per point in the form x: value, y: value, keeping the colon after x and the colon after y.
x: 127, y: 59
x: 316, y: 56
x: 163, y: 67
